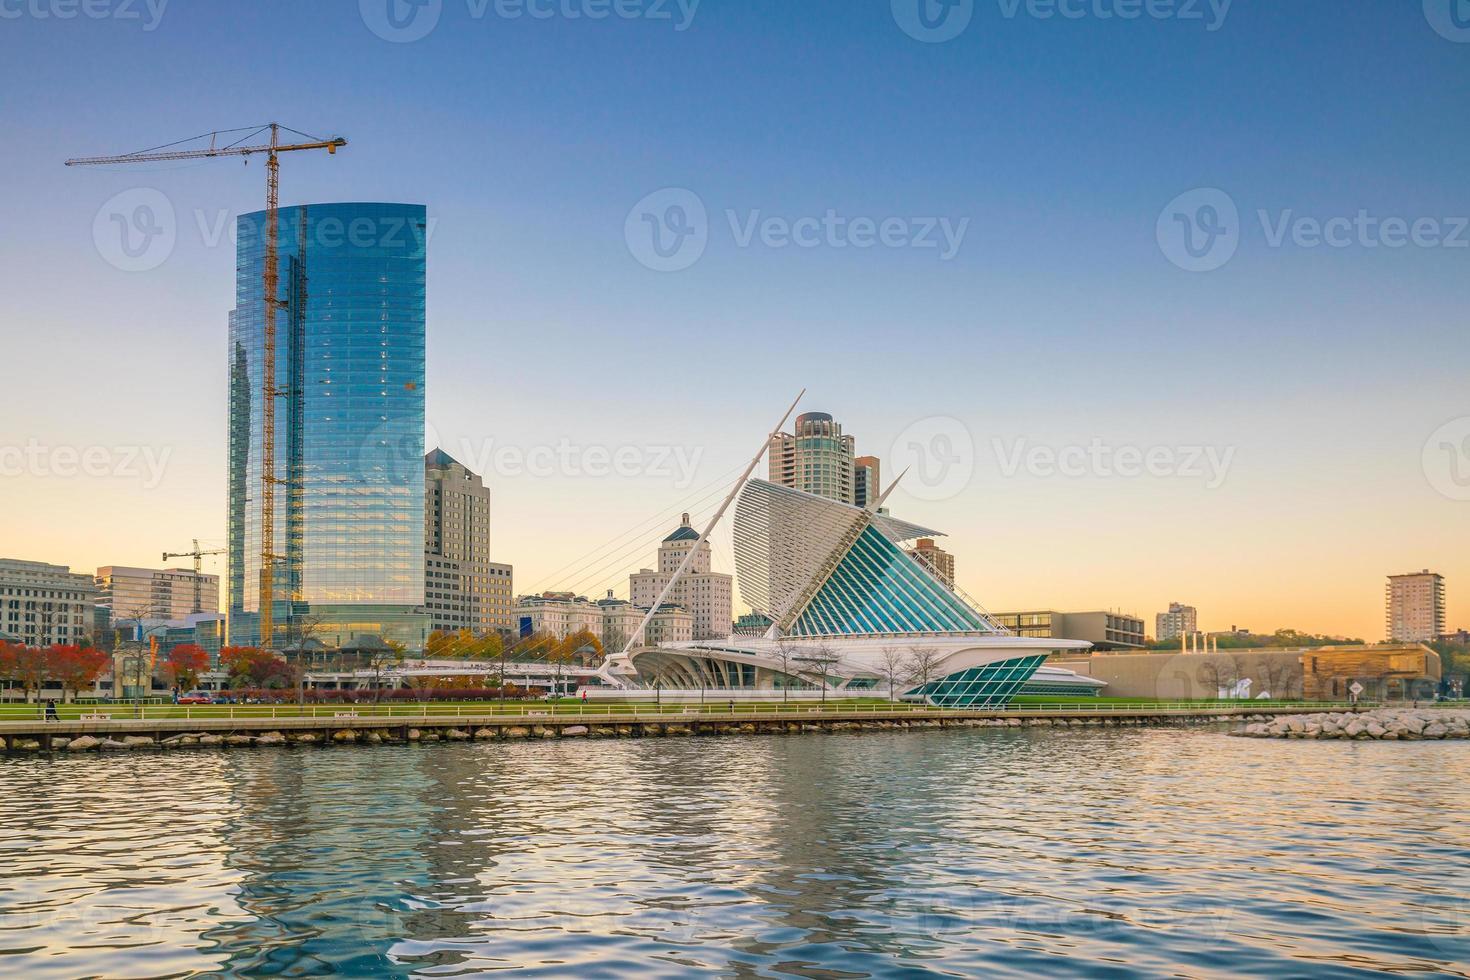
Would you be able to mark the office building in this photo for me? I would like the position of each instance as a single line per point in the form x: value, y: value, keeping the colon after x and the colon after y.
x: 1104, y: 630
x: 1180, y: 620
x: 463, y: 588
x: 611, y: 620
x: 42, y: 605
x: 345, y: 556
x: 934, y: 558
x: 814, y: 458
x: 155, y: 593
x: 867, y: 481
x: 706, y: 594
x: 1415, y: 607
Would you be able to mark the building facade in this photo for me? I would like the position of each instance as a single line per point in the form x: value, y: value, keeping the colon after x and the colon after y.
x: 709, y: 596
x: 155, y: 593
x: 934, y: 558
x: 1104, y: 630
x: 613, y: 621
x: 814, y: 458
x: 463, y: 588
x: 345, y: 557
x: 1180, y: 620
x: 42, y: 605
x: 1415, y: 607
x: 867, y: 481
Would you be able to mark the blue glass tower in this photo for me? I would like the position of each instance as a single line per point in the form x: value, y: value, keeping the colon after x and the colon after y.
x: 349, y: 427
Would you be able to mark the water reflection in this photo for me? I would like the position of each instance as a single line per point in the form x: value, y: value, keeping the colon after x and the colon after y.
x: 995, y: 852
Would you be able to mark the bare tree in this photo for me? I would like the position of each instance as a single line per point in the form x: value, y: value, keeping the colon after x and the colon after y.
x: 785, y: 654
x: 1279, y: 677
x: 824, y: 660
x: 921, y: 664
x: 1219, y: 675
x: 891, y: 666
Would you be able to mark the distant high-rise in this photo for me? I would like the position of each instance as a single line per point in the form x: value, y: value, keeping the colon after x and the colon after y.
x: 816, y: 458
x: 155, y: 593
x: 463, y: 588
x: 934, y: 558
x: 1179, y: 621
x: 707, y: 595
x: 867, y: 483
x: 347, y: 553
x: 1415, y: 607
x: 42, y: 604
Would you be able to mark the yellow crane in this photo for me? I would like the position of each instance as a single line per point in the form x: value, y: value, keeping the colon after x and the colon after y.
x: 198, y: 557
x: 240, y: 146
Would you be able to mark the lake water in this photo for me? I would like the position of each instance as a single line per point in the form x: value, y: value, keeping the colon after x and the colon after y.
x: 987, y: 852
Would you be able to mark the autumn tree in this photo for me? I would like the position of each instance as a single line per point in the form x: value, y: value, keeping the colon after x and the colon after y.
x: 75, y: 667
x: 256, y: 667
x: 184, y: 664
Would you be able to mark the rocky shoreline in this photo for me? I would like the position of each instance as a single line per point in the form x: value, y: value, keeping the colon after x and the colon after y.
x: 342, y: 734
x: 1381, y: 724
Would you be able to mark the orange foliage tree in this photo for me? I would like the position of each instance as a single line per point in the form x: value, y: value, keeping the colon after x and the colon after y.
x: 184, y: 664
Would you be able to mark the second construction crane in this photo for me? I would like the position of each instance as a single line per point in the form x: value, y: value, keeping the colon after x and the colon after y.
x: 242, y: 146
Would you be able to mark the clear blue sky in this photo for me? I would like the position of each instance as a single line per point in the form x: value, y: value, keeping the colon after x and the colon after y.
x: 1059, y: 321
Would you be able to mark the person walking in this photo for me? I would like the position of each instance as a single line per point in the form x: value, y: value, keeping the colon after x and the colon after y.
x: 51, y: 714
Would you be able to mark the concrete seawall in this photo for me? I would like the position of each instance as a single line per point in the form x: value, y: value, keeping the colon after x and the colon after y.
x: 343, y: 728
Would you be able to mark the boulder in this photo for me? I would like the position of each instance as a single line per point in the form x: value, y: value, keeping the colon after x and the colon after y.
x: 514, y: 731
x: 271, y: 738
x: 27, y: 745
x: 483, y: 733
x: 239, y: 741
x: 457, y: 735
x: 305, y: 738
x: 574, y: 731
x: 138, y: 741
x: 211, y: 740
x: 114, y: 745
x: 344, y: 735
x: 79, y: 744
x: 414, y: 735
x: 372, y: 738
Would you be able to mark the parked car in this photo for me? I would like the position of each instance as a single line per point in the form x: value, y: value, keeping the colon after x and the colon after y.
x: 196, y: 697
x: 223, y: 699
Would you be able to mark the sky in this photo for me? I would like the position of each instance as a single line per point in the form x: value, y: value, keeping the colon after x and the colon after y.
x: 1155, y: 301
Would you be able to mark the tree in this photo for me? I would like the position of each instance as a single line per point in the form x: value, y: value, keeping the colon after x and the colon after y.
x: 75, y: 667
x: 258, y: 668
x: 921, y: 664
x: 785, y: 653
x: 891, y: 666
x: 12, y: 668
x: 381, y: 661
x: 824, y: 660
x: 1219, y: 675
x: 184, y: 664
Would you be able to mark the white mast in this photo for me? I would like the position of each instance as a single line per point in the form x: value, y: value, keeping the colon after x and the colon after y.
x: 704, y: 538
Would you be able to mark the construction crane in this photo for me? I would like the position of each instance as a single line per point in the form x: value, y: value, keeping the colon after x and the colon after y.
x: 198, y: 557
x: 242, y: 147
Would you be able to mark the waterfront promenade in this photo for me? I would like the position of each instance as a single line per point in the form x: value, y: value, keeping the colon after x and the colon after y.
x: 171, y: 725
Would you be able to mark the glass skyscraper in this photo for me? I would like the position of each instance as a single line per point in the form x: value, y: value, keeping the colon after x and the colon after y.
x: 348, y: 558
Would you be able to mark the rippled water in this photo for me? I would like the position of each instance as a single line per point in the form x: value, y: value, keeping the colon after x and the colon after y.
x: 963, y: 853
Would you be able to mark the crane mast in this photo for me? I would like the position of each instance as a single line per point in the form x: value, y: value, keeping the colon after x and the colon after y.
x: 271, y: 305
